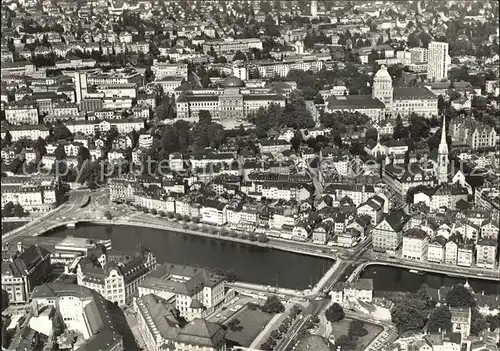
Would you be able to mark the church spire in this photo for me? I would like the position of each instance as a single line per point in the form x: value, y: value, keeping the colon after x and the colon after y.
x: 443, y: 145
x: 443, y: 161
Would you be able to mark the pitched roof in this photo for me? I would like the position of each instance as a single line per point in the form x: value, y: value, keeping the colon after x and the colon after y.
x: 201, y: 332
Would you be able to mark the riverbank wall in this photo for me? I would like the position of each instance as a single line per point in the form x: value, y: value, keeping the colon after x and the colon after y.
x: 167, y: 226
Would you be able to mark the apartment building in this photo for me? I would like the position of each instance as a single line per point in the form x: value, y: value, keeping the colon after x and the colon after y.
x: 436, y: 249
x: 25, y: 270
x: 159, y: 325
x: 91, y: 127
x: 486, y: 253
x: 388, y: 234
x: 214, y: 212
x: 32, y: 132
x: 195, y: 292
x: 162, y: 69
x: 415, y: 244
x: 230, y: 45
x: 437, y: 65
x: 115, y: 274
x: 21, y: 112
x: 474, y: 134
x: 32, y: 197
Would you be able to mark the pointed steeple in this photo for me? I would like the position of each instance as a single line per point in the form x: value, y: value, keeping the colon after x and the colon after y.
x: 443, y: 161
x: 443, y: 145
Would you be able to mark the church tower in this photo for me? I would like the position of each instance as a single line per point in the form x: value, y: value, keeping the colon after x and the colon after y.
x: 382, y: 88
x: 443, y: 161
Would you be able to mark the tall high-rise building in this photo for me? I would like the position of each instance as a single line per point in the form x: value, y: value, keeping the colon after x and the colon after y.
x: 314, y: 8
x: 382, y: 88
x: 80, y: 86
x: 437, y: 66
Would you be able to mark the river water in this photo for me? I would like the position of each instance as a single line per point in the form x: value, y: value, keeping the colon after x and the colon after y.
x: 257, y: 265
x: 387, y: 278
x: 250, y: 263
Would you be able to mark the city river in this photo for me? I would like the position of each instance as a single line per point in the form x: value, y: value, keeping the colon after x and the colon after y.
x: 250, y: 263
x: 387, y: 278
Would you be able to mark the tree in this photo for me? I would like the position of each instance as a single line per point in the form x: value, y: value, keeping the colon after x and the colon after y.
x: 239, y: 56
x: 154, y: 211
x: 273, y: 305
x: 371, y: 133
x: 460, y: 296
x: 334, y: 313
x: 59, y: 153
x: 478, y: 322
x: 357, y: 329
x: 439, y: 320
x: 60, y: 131
x: 18, y: 210
x: 234, y: 325
x: 413, y: 41
x: 205, y: 81
x: 409, y: 314
x: 108, y: 215
x: 178, y: 216
x: 8, y: 209
x: 400, y: 132
x: 83, y: 155
x: 58, y: 324
x: 40, y: 147
x: 419, y: 127
x: 7, y: 140
x: 318, y: 99
x: 296, y: 140
x: 186, y: 218
x: 205, y: 117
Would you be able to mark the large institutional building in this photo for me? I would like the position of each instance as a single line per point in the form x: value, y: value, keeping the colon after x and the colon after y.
x: 387, y: 100
x: 115, y: 275
x: 83, y: 311
x: 437, y: 64
x: 231, y: 103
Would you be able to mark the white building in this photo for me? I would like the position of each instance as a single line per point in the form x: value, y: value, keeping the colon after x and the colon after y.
x: 196, y: 292
x: 21, y: 113
x: 109, y: 273
x: 415, y: 244
x: 437, y: 65
x: 83, y: 311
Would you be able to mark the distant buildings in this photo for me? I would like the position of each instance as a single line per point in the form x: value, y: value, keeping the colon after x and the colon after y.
x: 437, y: 65
x: 386, y: 100
x: 474, y: 134
x: 230, y: 104
x: 230, y: 45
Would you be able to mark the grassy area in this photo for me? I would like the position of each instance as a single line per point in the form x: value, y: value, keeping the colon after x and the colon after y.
x: 251, y: 324
x: 342, y: 328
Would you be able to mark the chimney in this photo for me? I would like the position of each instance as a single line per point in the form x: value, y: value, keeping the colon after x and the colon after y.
x: 20, y: 247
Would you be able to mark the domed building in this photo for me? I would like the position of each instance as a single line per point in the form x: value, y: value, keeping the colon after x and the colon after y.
x: 382, y: 88
x: 233, y: 82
